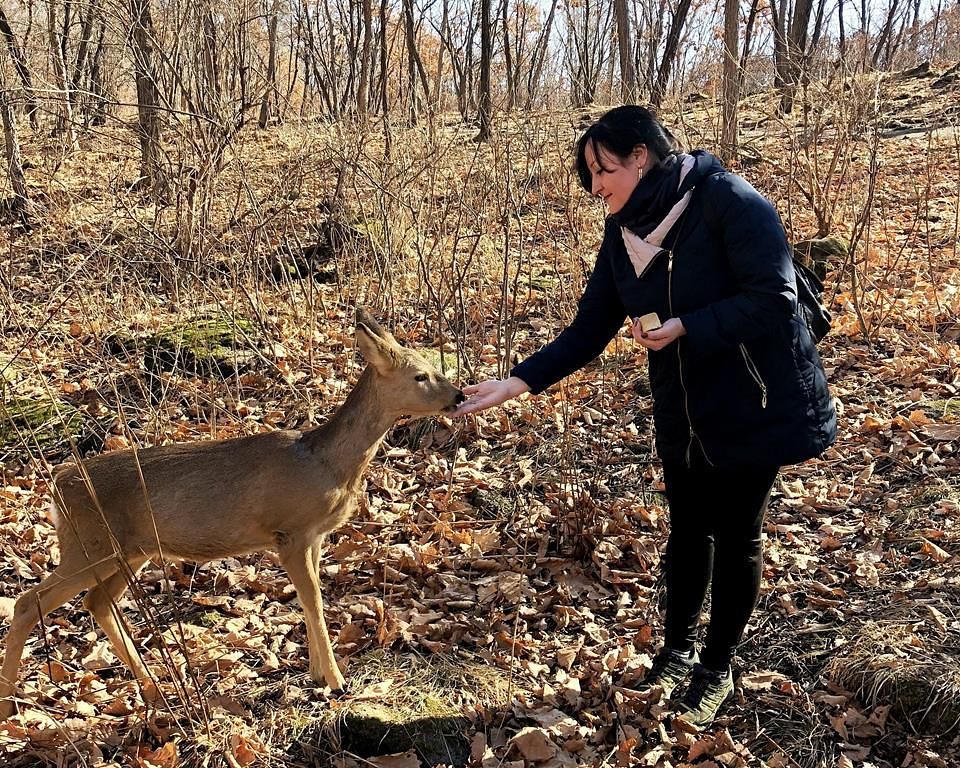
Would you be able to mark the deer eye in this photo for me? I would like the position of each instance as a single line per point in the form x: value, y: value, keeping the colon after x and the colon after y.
x: 421, y: 377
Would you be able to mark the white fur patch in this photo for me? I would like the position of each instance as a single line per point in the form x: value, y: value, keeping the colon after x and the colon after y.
x: 54, y: 513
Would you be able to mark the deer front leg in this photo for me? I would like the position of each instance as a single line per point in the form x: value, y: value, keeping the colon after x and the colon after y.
x: 298, y: 558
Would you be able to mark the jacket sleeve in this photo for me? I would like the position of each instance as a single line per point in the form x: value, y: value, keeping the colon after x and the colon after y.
x: 600, y: 314
x: 755, y: 246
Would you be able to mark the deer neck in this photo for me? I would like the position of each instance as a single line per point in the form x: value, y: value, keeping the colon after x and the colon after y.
x: 352, y: 435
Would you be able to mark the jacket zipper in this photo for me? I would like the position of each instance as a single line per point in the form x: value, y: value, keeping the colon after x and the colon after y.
x: 755, y: 375
x: 683, y: 386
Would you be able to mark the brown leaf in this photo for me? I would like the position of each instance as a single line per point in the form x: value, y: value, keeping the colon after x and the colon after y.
x: 942, y: 432
x: 406, y: 759
x: 534, y: 744
x: 164, y: 757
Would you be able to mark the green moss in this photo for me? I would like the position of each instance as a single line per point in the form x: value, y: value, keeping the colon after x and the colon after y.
x: 203, y: 345
x: 942, y: 410
x: 27, y: 424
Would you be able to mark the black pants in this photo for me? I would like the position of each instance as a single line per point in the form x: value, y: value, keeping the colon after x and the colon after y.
x: 716, y: 516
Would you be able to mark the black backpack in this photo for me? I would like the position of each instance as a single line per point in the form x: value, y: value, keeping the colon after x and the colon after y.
x: 810, y: 304
x: 810, y: 301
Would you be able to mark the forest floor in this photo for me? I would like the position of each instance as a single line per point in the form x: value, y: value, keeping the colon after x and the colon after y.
x: 501, y: 577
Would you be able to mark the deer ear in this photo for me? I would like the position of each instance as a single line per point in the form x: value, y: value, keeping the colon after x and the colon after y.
x: 365, y: 318
x: 375, y: 349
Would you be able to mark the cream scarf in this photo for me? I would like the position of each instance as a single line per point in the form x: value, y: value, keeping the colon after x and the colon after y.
x: 643, y: 250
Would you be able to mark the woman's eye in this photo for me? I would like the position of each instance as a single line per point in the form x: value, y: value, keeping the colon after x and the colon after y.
x: 421, y: 377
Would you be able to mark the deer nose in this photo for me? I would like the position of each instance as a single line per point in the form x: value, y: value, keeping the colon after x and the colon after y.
x: 460, y: 396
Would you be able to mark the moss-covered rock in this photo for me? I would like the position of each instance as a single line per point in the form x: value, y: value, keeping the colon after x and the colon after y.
x: 203, y: 346
x: 28, y: 425
x: 822, y: 253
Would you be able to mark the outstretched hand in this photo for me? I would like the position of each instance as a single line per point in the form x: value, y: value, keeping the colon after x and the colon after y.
x: 487, y: 394
x: 656, y: 340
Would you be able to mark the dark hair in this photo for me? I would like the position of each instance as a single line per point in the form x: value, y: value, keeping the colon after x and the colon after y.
x: 620, y: 130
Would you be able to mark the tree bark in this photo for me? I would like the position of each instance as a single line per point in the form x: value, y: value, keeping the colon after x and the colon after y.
x: 23, y: 71
x: 65, y: 116
x: 540, y: 55
x: 628, y: 73
x: 729, y: 148
x: 20, y: 204
x: 365, y: 63
x: 747, y: 39
x: 669, y: 53
x: 148, y: 99
x: 270, y: 89
x: 486, y: 53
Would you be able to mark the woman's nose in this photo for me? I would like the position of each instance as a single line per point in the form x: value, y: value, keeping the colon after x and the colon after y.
x: 596, y: 186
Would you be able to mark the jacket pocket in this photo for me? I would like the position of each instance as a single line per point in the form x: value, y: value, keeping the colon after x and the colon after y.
x: 754, y: 374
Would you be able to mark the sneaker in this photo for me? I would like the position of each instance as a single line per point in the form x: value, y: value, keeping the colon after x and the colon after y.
x: 669, y: 669
x: 703, y: 698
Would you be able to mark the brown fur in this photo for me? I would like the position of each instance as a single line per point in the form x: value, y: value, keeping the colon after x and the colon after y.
x: 209, y: 500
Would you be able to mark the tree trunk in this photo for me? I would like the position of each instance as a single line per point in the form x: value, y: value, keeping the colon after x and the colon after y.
x: 796, y: 47
x: 148, y: 98
x: 83, y: 51
x: 415, y: 70
x: 628, y: 73
x: 508, y: 62
x: 669, y: 53
x: 486, y: 53
x: 20, y: 205
x: 65, y: 116
x: 365, y: 63
x: 98, y: 91
x: 23, y: 71
x: 747, y: 39
x: 270, y: 89
x: 384, y: 92
x: 540, y: 55
x: 731, y: 81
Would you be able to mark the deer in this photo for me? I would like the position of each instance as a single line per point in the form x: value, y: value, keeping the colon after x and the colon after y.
x: 200, y: 501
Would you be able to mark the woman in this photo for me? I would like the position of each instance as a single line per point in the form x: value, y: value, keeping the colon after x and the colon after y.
x: 738, y: 387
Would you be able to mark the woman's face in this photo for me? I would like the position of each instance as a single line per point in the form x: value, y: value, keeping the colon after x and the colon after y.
x: 614, y: 177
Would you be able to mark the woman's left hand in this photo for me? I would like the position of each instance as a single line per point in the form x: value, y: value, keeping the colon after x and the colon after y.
x: 656, y: 340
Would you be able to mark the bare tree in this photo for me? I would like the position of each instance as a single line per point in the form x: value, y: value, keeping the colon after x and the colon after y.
x: 747, y: 40
x: 539, y: 56
x: 731, y: 80
x: 148, y: 98
x: 270, y: 89
x: 457, y: 32
x: 20, y: 203
x: 486, y: 54
x: 665, y: 69
x: 57, y: 43
x: 628, y: 73
x: 363, y: 86
x: 791, y: 36
x: 23, y: 71
x: 415, y: 70
x: 589, y: 26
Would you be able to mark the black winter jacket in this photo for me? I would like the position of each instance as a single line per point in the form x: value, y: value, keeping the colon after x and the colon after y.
x: 745, y: 381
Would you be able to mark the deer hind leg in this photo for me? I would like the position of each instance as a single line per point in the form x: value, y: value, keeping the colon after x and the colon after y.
x: 300, y: 561
x: 101, y: 600
x: 55, y: 590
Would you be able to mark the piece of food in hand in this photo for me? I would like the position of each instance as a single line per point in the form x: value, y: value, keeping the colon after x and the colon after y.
x: 649, y: 322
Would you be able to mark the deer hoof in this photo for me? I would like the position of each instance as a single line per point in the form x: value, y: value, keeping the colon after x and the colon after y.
x: 7, y: 708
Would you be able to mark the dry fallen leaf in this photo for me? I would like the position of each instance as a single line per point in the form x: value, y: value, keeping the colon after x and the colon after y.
x: 534, y: 744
